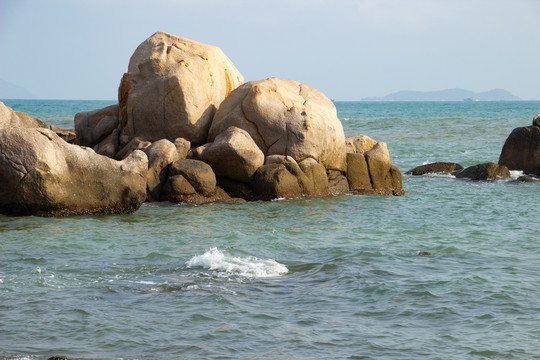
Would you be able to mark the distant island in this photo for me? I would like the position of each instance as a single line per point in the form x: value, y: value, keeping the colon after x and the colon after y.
x: 447, y: 95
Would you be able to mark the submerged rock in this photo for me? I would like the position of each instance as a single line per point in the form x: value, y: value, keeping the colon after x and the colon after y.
x: 10, y: 118
x: 43, y: 175
x: 437, y: 167
x: 485, y: 171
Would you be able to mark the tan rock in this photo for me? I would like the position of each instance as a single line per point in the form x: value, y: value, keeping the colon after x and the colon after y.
x: 234, y: 155
x: 92, y: 127
x: 358, y: 175
x: 65, y: 134
x: 359, y: 144
x: 109, y: 145
x: 285, y: 117
x: 136, y: 143
x: 10, y: 118
x: 173, y: 88
x: 274, y: 181
x: 199, y: 174
x: 385, y: 177
x: 43, y: 175
x: 161, y: 154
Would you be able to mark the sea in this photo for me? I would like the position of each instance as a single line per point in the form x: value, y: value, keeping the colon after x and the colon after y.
x: 341, y: 277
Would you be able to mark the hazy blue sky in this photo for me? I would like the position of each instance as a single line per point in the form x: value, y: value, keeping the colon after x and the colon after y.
x: 348, y: 49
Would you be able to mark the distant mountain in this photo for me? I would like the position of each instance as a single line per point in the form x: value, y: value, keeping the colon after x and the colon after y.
x: 11, y: 91
x: 447, y: 95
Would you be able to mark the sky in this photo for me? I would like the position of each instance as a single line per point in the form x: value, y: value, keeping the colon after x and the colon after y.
x: 348, y: 49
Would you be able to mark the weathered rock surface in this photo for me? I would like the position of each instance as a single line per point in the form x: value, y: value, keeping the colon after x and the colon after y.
x: 172, y: 89
x: 273, y: 181
x: 372, y: 172
x: 92, y: 127
x: 136, y: 143
x: 521, y: 151
x: 337, y: 183
x: 161, y: 154
x: 437, y: 167
x: 285, y: 117
x: 43, y: 175
x: 10, y: 118
x: 485, y: 171
x: 199, y: 175
x: 234, y: 155
x: 65, y: 134
x: 193, y: 182
x: 359, y: 144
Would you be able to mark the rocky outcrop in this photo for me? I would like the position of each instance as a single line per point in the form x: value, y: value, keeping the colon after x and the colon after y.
x: 285, y: 117
x: 234, y: 155
x: 43, y: 175
x: 437, y: 167
x: 521, y: 151
x: 10, y: 118
x: 172, y: 89
x: 487, y: 171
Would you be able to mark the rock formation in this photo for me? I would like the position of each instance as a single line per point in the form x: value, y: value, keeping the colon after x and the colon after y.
x: 10, y: 118
x: 521, y: 151
x: 43, y: 175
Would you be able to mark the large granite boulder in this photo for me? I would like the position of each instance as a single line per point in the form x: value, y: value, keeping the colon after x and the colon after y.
x: 285, y: 117
x: 234, y: 155
x: 521, y: 151
x: 486, y: 171
x: 436, y: 167
x: 43, y: 175
x: 10, y: 118
x: 172, y: 89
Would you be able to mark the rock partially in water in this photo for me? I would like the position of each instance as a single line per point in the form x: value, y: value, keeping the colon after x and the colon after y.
x: 486, y: 171
x: 43, y: 175
x: 437, y: 167
x: 521, y: 151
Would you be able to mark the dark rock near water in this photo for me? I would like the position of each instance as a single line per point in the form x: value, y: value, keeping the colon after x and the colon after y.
x: 485, y: 171
x: 525, y: 178
x: 521, y: 151
x: 437, y: 167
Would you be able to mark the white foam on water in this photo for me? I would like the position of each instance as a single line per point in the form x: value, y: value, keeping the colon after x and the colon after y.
x: 226, y: 265
x: 514, y: 174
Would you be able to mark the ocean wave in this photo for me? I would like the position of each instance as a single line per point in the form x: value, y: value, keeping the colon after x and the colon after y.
x: 225, y: 265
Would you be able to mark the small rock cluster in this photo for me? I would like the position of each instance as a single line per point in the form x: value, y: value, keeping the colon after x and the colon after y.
x: 521, y: 151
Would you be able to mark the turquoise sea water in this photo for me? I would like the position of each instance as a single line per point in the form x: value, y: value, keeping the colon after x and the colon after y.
x: 332, y: 278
